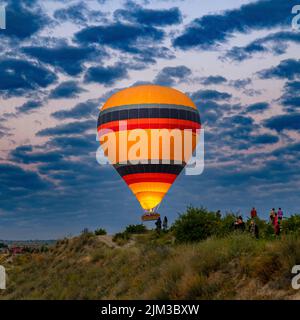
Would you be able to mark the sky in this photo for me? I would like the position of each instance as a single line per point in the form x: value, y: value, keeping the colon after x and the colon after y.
x: 60, y: 60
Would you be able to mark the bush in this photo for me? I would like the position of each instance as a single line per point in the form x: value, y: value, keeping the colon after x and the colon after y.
x: 136, y: 229
x: 121, y: 238
x: 292, y: 224
x: 100, y: 232
x: 225, y: 224
x: 196, y: 224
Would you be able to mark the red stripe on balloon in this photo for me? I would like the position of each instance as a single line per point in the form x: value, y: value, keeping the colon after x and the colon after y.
x: 149, y: 177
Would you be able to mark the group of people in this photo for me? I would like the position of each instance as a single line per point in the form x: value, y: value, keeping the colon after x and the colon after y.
x: 240, y: 225
x: 275, y: 219
x: 164, y: 224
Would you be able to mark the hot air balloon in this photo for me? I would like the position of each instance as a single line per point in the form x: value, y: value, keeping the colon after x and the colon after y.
x: 148, y: 110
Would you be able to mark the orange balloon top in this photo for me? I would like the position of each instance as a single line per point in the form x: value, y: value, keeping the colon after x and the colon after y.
x: 148, y: 94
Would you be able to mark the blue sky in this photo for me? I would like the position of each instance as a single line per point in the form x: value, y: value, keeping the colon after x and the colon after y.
x: 60, y: 60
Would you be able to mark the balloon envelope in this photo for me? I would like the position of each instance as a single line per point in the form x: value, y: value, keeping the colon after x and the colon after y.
x: 137, y: 126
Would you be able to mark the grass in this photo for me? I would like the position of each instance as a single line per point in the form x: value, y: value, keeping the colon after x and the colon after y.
x: 155, y: 267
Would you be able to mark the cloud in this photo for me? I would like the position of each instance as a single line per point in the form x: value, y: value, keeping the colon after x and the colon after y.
x: 106, y: 75
x: 124, y: 37
x: 212, y: 80
x: 29, y: 106
x: 72, y: 128
x: 284, y: 122
x: 169, y: 75
x: 151, y: 17
x: 20, y: 76
x: 258, y: 107
x: 23, y: 19
x: 240, y: 83
x: 26, y: 154
x: 78, y: 13
x: 68, y: 59
x: 74, y: 145
x: 81, y: 110
x: 16, y: 182
x: 290, y: 98
x: 264, y: 139
x: 286, y: 69
x: 210, y: 95
x: 67, y: 89
x: 274, y: 43
x: 210, y: 30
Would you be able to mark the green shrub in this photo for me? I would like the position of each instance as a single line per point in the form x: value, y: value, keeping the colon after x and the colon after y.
x: 136, y: 229
x: 121, y: 238
x: 291, y: 225
x: 225, y: 224
x: 195, y: 224
x: 100, y: 232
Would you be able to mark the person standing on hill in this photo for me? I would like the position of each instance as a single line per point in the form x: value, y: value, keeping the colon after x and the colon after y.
x: 280, y: 214
x: 253, y: 229
x: 253, y: 213
x: 276, y: 225
x: 165, y: 223
x: 158, y: 224
x: 272, y: 216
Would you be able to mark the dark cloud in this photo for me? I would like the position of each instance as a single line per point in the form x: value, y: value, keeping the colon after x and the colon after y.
x: 16, y: 182
x: 78, y: 13
x: 286, y: 69
x: 26, y: 154
x: 290, y: 98
x: 258, y: 107
x: 151, y: 17
x: 124, y: 37
x: 74, y: 145
x: 274, y: 43
x: 72, y: 128
x: 29, y: 106
x: 240, y: 83
x: 67, y: 89
x: 20, y: 76
x: 23, y: 19
x: 68, y: 59
x: 210, y: 30
x: 210, y: 95
x: 284, y: 122
x: 81, y: 110
x: 212, y: 80
x: 106, y: 75
x: 169, y: 75
x: 264, y: 139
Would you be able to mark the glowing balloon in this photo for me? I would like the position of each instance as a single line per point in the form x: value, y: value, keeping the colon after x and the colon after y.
x: 137, y: 127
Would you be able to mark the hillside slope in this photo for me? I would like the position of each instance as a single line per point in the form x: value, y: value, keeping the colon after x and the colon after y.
x: 151, y: 267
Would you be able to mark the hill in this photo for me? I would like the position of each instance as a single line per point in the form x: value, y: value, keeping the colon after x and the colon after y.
x: 152, y: 266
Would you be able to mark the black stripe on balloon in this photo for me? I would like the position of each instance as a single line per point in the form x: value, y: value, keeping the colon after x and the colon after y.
x: 140, y: 113
x: 124, y: 170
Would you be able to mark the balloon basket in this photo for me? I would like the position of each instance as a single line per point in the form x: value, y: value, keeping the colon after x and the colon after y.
x: 150, y: 216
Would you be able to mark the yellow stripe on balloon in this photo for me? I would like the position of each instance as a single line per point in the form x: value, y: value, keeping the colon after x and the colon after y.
x: 149, y: 186
x: 148, y: 94
x: 118, y: 149
x: 150, y: 200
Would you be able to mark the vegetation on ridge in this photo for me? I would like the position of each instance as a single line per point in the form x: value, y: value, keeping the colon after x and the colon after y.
x: 224, y: 265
